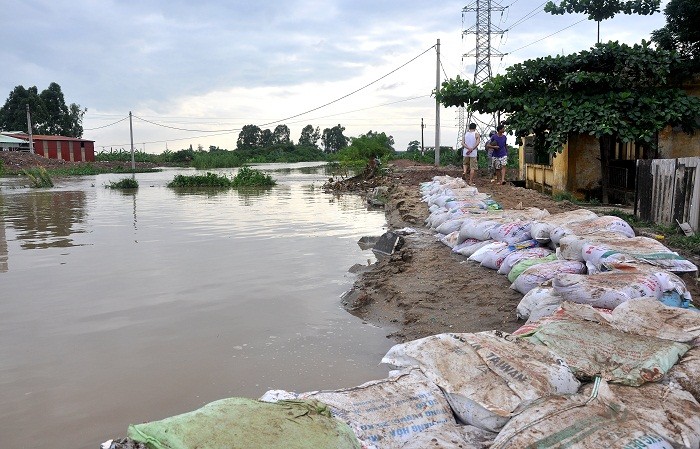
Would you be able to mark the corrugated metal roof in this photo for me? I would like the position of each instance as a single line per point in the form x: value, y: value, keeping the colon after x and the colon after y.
x: 44, y: 137
x: 13, y: 140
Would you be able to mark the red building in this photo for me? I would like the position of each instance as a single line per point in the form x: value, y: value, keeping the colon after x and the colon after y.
x: 58, y: 147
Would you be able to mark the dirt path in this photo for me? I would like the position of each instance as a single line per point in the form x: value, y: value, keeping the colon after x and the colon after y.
x: 425, y: 289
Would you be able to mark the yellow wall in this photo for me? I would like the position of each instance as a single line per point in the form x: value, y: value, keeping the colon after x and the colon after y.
x: 674, y: 143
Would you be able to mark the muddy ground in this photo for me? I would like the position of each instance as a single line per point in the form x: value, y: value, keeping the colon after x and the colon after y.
x: 16, y: 161
x: 425, y: 289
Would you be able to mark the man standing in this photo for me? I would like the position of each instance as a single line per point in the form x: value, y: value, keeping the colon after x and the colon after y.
x: 500, y: 152
x: 469, y: 146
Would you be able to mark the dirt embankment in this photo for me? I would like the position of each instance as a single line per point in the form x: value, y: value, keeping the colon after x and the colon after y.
x: 425, y: 289
x: 16, y: 161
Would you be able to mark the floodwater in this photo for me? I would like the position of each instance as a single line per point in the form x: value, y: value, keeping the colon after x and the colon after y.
x: 119, y: 308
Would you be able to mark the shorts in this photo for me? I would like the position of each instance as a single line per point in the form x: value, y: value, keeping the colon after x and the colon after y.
x: 499, y: 162
x: 470, y: 163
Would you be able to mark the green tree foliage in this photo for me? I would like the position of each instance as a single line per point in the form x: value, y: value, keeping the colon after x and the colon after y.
x: 600, y: 10
x: 309, y: 137
x: 413, y: 147
x: 363, y: 147
x: 50, y: 114
x: 682, y: 32
x: 333, y: 139
x: 249, y: 138
x: 265, y: 139
x: 280, y: 135
x: 614, y: 91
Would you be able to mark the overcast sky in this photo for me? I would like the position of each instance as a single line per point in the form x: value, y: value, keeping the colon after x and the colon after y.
x: 219, y: 65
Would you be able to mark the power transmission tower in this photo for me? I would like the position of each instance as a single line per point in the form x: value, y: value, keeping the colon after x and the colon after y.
x: 483, y: 29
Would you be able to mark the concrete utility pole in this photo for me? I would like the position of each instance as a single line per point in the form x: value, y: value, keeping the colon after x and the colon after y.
x: 131, y: 133
x: 482, y: 29
x: 437, y: 107
x: 422, y: 145
x: 29, y: 130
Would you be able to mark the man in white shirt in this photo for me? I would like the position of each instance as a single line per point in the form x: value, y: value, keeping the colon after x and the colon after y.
x: 471, y: 142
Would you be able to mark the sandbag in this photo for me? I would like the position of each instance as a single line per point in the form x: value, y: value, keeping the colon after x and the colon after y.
x: 594, y: 419
x: 495, y: 258
x: 450, y: 239
x: 543, y: 299
x: 469, y: 246
x: 651, y: 318
x: 600, y: 253
x: 523, y: 265
x: 667, y: 410
x: 571, y: 246
x: 405, y: 410
x: 516, y: 257
x: 488, y: 376
x: 592, y: 349
x: 606, y: 223
x: 609, y: 290
x: 479, y: 227
x: 537, y: 274
x: 479, y: 255
x: 240, y: 423
x: 541, y: 228
x: 450, y: 226
x: 686, y: 372
x: 512, y: 233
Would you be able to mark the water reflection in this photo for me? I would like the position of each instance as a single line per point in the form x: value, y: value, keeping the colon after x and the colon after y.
x: 46, y: 219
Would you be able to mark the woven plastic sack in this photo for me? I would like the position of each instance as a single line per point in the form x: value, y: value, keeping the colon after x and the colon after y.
x: 536, y: 253
x: 652, y: 318
x: 638, y: 249
x: 592, y: 349
x: 479, y: 228
x: 450, y: 239
x: 486, y: 377
x: 605, y: 223
x: 538, y: 299
x: 540, y: 273
x: 240, y: 423
x: 469, y: 246
x: 541, y: 229
x: 494, y: 259
x: 686, y: 372
x: 479, y: 255
x: 594, y: 419
x: 451, y: 226
x: 512, y: 233
x: 523, y: 265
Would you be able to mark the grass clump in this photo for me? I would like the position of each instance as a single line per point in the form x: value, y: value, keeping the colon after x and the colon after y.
x: 38, y: 176
x: 207, y: 180
x: 124, y: 183
x: 250, y: 177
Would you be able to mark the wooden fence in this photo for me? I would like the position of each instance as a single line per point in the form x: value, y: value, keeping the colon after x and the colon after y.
x: 667, y: 191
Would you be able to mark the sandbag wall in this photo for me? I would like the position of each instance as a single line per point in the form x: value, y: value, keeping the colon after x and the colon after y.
x: 609, y: 356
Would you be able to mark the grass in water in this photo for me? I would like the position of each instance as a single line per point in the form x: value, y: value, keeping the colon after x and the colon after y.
x: 38, y: 177
x: 250, y: 177
x: 207, y: 180
x: 124, y: 183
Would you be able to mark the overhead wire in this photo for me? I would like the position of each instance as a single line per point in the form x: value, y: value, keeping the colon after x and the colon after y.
x: 527, y: 16
x: 546, y: 37
x: 106, y: 126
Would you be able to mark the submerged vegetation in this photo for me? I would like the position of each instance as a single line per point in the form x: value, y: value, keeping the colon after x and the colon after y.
x: 250, y: 177
x: 124, y: 183
x: 39, y: 177
x: 206, y: 180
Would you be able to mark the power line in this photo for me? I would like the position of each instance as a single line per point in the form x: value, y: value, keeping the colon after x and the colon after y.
x: 106, y: 126
x: 546, y: 37
x: 527, y: 16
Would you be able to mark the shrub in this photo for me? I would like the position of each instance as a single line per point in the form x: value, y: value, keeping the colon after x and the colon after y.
x: 38, y: 177
x: 124, y: 183
x: 247, y: 176
x: 208, y: 180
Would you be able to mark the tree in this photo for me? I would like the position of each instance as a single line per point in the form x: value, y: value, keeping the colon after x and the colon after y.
x: 600, y: 10
x: 249, y: 138
x: 49, y: 112
x: 309, y: 137
x: 413, y: 147
x: 333, y: 139
x: 371, y: 144
x: 280, y: 135
x: 13, y: 115
x: 681, y: 32
x: 265, y: 139
x: 613, y: 92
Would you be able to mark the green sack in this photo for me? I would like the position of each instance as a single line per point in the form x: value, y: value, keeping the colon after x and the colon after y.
x: 523, y: 265
x: 238, y: 423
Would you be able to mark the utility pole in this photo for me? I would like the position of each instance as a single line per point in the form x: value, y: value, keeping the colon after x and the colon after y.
x: 29, y: 130
x: 482, y: 29
x: 422, y: 145
x: 437, y: 107
x: 131, y: 133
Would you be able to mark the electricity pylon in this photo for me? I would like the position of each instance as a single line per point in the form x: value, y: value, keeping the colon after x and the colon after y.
x: 483, y: 29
